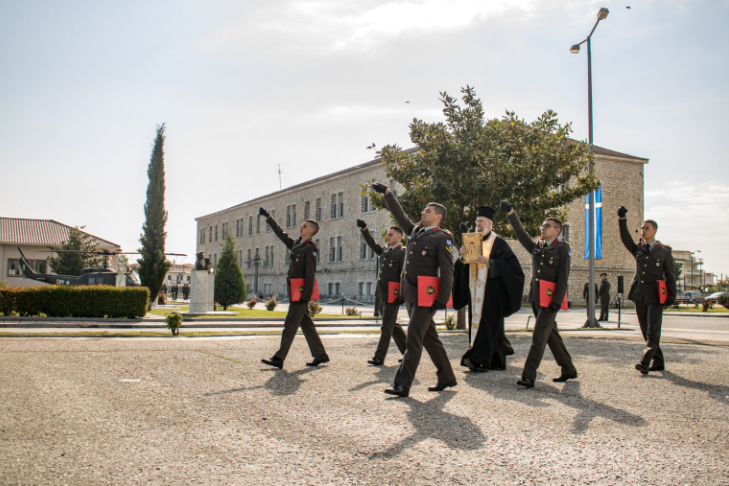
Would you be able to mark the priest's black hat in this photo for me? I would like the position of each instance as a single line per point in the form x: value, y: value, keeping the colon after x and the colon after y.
x: 486, y: 212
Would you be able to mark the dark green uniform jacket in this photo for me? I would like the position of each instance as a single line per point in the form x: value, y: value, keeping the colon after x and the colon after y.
x: 302, y: 262
x: 392, y: 259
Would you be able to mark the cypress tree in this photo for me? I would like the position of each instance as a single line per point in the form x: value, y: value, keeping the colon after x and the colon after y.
x: 154, y: 265
x: 230, y: 287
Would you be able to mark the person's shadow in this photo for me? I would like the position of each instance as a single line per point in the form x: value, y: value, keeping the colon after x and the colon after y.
x: 569, y: 395
x: 431, y: 422
x: 384, y: 376
x: 282, y: 383
x: 719, y: 393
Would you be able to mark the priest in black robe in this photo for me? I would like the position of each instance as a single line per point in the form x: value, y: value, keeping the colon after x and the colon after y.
x: 501, y: 295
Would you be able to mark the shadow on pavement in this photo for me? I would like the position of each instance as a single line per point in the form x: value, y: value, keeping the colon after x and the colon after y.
x: 282, y: 383
x: 431, y: 422
x: 384, y: 376
x: 720, y: 393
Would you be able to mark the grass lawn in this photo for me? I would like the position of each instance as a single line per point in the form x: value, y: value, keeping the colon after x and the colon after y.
x: 239, y: 312
x: 717, y: 309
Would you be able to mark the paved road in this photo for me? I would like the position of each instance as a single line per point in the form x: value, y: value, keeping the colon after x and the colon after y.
x: 180, y: 411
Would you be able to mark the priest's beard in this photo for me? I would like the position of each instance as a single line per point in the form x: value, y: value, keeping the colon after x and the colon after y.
x: 486, y: 229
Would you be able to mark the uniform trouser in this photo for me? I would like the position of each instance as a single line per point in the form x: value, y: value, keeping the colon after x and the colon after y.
x: 390, y: 329
x: 422, y: 333
x: 545, y: 333
x: 650, y: 317
x: 604, y: 309
x: 298, y: 316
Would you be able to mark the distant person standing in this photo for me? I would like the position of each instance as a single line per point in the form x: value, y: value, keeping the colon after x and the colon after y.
x: 586, y: 296
x: 302, y: 265
x: 550, y: 267
x: 604, y: 295
x: 653, y: 287
x: 392, y: 259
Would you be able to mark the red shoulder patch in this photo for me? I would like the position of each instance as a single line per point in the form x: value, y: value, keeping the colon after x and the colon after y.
x: 445, y: 231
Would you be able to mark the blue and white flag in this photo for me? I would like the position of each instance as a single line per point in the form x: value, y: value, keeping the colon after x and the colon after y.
x: 598, y: 224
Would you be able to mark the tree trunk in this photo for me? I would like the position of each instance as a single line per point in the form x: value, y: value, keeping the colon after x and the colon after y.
x: 462, y: 319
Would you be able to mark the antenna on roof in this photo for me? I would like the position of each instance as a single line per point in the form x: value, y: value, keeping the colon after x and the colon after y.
x: 279, y: 176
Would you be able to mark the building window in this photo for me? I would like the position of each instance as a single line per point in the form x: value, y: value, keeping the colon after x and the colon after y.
x: 332, y: 249
x: 365, y: 207
x: 210, y: 235
x: 340, y: 198
x: 564, y: 235
x: 318, y: 209
x: 237, y: 228
x: 215, y: 260
x: 265, y: 261
x: 307, y: 210
x: 333, y: 288
x: 216, y: 232
x: 273, y: 216
x: 250, y: 225
x: 337, y: 205
x: 340, y: 249
x: 365, y: 252
x: 258, y: 224
x: 291, y: 215
x: 334, y: 207
x: 240, y: 258
x: 249, y: 262
x: 201, y: 238
x: 365, y: 288
x: 15, y: 270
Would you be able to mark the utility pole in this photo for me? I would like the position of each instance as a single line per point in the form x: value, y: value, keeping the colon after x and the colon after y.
x: 279, y: 176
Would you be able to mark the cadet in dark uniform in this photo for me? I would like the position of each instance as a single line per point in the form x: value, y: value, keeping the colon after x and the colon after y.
x: 653, y: 262
x: 429, y: 254
x: 551, y: 263
x: 302, y: 264
x: 392, y: 259
x: 604, y: 295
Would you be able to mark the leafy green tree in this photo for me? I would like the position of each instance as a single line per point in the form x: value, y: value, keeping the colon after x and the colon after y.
x: 153, y: 264
x: 230, y: 287
x: 71, y: 261
x: 468, y: 161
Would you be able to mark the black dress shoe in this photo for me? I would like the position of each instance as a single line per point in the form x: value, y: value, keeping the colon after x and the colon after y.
x: 275, y: 362
x: 397, y: 390
x: 525, y: 382
x: 376, y: 361
x: 564, y: 378
x: 442, y: 386
x: 324, y: 358
x: 642, y: 368
x: 656, y: 367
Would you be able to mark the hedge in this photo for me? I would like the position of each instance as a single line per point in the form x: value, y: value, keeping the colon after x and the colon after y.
x: 75, y: 301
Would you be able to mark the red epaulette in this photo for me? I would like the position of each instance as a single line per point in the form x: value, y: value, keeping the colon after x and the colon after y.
x: 665, y: 246
x: 445, y: 231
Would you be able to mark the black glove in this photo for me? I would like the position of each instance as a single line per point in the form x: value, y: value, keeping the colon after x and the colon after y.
x: 379, y: 187
x: 553, y: 307
x: 361, y: 224
x: 669, y: 302
x: 263, y: 212
x: 622, y: 211
x: 438, y: 306
x: 463, y: 228
x: 506, y: 206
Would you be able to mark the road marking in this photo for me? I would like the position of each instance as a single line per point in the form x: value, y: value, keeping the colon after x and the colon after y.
x: 130, y: 380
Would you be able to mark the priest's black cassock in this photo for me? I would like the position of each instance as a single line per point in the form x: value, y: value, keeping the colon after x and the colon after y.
x: 502, y: 297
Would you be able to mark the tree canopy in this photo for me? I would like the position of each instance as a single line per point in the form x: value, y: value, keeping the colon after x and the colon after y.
x: 72, y: 260
x: 230, y: 287
x: 153, y: 264
x: 468, y: 161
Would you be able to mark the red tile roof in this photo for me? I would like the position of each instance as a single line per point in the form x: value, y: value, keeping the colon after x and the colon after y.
x: 22, y: 231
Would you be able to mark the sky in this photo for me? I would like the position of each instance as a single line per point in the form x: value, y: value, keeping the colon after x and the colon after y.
x: 245, y: 86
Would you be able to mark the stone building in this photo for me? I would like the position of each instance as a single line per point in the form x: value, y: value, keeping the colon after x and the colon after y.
x: 347, y: 267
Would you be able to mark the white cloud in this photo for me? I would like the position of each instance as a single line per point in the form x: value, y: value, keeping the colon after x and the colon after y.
x: 331, y: 26
x: 693, y: 217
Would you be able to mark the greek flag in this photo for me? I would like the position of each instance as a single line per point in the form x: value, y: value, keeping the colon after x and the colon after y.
x: 598, y: 224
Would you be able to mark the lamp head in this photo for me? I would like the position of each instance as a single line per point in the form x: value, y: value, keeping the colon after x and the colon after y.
x: 575, y: 49
x: 602, y: 14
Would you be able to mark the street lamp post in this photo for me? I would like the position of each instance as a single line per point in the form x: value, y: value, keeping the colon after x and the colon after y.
x: 591, y: 321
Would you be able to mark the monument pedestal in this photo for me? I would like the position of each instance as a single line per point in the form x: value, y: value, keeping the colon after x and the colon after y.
x: 202, y: 292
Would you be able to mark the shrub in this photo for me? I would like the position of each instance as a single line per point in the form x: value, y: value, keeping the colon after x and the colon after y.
x: 174, y: 321
x: 271, y: 303
x: 252, y: 303
x: 723, y: 300
x: 314, y: 308
x: 3, y: 284
x: 76, y: 301
x: 351, y: 311
x: 708, y: 304
x: 450, y: 322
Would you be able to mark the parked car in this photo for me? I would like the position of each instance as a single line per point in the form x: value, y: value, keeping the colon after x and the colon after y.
x: 691, y: 297
x: 715, y: 296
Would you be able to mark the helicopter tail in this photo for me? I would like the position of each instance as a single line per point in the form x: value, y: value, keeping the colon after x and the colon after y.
x: 26, y: 266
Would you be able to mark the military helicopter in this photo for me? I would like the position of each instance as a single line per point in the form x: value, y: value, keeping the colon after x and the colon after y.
x: 89, y: 276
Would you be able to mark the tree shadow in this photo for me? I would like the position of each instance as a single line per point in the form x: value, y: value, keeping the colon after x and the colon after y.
x: 282, y: 383
x: 720, y: 393
x: 569, y: 395
x: 431, y: 422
